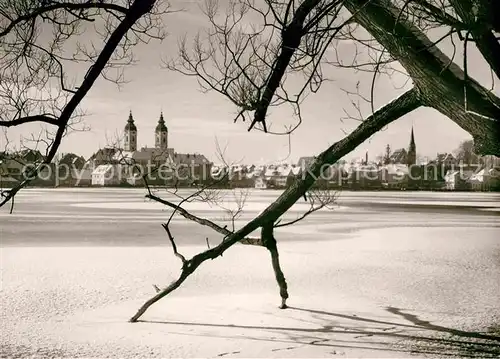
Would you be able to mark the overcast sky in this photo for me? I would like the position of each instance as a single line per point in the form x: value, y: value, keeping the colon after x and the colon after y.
x: 195, y: 119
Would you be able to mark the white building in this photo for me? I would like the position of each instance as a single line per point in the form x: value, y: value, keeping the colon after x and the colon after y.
x: 451, y: 179
x: 485, y: 180
x: 455, y: 180
x: 260, y: 183
x: 106, y: 175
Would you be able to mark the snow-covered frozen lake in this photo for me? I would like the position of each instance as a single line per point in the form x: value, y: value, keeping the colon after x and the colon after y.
x: 386, y: 274
x: 124, y: 217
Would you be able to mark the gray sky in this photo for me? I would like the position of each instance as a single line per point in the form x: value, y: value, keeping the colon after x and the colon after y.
x: 196, y: 119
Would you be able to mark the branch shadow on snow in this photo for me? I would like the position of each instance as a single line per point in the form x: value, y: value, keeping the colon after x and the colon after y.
x: 337, y: 332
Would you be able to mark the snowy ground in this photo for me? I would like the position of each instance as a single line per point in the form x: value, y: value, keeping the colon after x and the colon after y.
x: 373, y: 278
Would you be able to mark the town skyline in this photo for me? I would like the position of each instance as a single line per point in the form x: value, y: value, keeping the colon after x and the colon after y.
x: 396, y: 136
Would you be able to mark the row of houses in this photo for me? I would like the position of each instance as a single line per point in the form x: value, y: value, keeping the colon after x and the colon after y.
x: 107, y: 168
x: 111, y: 166
x: 366, y: 176
x: 69, y: 170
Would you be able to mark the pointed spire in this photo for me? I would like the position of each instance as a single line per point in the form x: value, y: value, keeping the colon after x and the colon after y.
x: 412, y: 155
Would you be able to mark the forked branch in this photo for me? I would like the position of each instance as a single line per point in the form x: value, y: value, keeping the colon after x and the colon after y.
x: 404, y: 104
x: 318, y: 199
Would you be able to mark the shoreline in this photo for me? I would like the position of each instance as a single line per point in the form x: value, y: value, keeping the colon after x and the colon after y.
x: 123, y: 218
x: 334, y: 189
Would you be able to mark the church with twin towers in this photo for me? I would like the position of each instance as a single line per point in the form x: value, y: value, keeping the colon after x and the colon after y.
x: 161, y: 152
x: 130, y: 139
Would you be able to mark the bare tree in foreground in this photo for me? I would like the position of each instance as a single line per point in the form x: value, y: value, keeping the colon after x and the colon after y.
x: 249, y: 65
x: 318, y: 199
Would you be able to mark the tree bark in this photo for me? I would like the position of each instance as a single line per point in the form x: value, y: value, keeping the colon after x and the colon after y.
x: 173, y: 286
x: 291, y: 38
x: 269, y: 241
x: 402, y: 105
x: 484, y: 38
x: 440, y: 81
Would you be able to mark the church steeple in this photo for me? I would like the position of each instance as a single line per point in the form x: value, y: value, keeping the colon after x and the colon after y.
x: 161, y: 134
x: 130, y: 134
x: 412, y: 150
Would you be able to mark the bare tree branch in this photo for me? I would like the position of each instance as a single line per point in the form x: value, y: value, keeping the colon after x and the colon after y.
x: 174, y: 246
x: 318, y: 199
x: 20, y: 46
x: 28, y: 119
x: 404, y: 104
x: 39, y: 11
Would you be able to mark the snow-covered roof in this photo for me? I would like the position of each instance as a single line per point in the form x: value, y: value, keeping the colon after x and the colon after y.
x: 441, y: 157
x: 451, y: 173
x: 283, y: 171
x: 296, y: 170
x: 216, y: 170
x: 102, y: 169
x: 269, y: 172
x: 478, y: 177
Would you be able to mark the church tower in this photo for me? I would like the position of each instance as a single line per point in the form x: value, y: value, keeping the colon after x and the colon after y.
x: 161, y: 134
x: 411, y: 158
x: 130, y: 134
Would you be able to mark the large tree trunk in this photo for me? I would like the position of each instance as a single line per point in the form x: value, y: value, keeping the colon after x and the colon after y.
x: 481, y: 28
x: 440, y: 81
